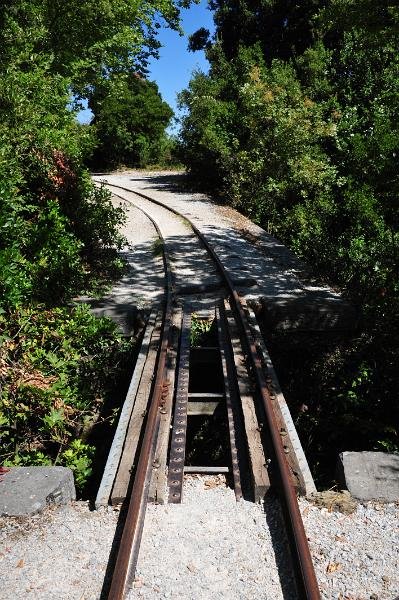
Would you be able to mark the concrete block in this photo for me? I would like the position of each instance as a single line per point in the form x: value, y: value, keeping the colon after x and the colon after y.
x: 308, y: 310
x: 370, y: 475
x: 25, y: 491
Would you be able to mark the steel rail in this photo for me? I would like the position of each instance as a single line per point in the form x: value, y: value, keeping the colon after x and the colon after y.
x: 133, y: 528
x: 301, y: 552
x: 306, y: 576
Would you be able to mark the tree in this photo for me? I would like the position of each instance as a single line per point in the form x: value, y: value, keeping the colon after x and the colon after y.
x: 58, y: 232
x: 297, y: 125
x: 130, y: 118
x: 341, y: 58
x: 283, y: 28
x: 88, y: 40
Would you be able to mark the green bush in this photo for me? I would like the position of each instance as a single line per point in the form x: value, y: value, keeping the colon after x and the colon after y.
x: 296, y: 125
x: 129, y: 121
x: 59, y: 236
x: 56, y: 367
x: 59, y: 233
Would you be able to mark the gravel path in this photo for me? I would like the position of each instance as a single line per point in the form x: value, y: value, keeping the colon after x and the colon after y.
x: 142, y: 286
x: 146, y: 277
x: 211, y: 548
x: 356, y: 556
x: 192, y: 269
x: 257, y: 262
x: 61, y: 554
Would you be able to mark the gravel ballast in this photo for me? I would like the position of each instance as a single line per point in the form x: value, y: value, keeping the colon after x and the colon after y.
x: 142, y: 285
x: 190, y: 262
x: 209, y: 547
x: 60, y: 554
x: 260, y: 266
x: 356, y: 556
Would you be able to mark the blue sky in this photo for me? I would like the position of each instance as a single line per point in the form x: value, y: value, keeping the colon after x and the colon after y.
x: 172, y: 71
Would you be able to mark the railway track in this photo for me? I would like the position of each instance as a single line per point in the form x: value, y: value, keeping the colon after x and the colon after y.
x: 242, y: 379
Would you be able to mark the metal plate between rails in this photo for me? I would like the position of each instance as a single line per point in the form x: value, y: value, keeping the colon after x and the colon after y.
x: 179, y: 431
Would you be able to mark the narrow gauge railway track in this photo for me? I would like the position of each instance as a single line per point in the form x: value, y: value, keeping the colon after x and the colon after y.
x: 130, y: 542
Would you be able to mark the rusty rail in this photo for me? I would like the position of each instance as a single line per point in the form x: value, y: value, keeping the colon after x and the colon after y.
x: 306, y: 577
x: 301, y: 552
x: 132, y: 532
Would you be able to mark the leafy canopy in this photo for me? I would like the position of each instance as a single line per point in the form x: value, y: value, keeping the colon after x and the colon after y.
x: 297, y: 125
x: 58, y: 232
x: 130, y: 118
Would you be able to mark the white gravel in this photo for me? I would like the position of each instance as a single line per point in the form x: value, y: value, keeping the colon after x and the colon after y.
x: 356, y: 556
x: 142, y: 286
x: 61, y: 554
x: 190, y: 261
x: 209, y: 547
x: 145, y: 282
x: 260, y: 267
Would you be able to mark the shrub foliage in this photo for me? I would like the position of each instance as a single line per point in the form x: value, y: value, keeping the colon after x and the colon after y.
x: 59, y: 233
x: 296, y: 124
x: 129, y: 122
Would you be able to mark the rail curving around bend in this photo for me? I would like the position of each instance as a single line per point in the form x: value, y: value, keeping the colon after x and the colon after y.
x: 127, y: 556
x: 132, y: 532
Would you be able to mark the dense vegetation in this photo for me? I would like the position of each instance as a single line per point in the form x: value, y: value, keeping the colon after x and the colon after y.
x: 297, y: 125
x: 129, y: 122
x: 59, y: 234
